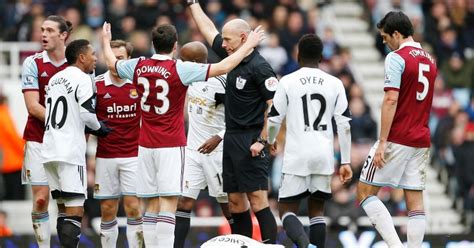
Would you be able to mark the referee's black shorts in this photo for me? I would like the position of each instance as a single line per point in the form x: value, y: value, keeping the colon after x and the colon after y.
x: 242, y: 172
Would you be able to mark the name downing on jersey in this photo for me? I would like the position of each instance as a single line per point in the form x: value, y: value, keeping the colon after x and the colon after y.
x: 154, y: 69
x: 60, y: 81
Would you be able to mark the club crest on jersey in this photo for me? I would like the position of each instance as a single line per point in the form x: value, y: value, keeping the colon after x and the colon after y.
x: 240, y: 82
x: 133, y: 93
x: 96, y: 188
x: 387, y: 78
x: 29, y: 80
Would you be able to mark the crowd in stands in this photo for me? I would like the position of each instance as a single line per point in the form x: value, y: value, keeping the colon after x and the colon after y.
x: 446, y: 28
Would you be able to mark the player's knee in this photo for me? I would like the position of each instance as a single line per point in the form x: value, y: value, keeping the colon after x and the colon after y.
x: 107, y: 209
x: 69, y: 231
x: 185, y: 203
x: 41, y: 202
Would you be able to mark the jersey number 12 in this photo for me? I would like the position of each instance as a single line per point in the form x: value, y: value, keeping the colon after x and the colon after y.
x: 316, y: 126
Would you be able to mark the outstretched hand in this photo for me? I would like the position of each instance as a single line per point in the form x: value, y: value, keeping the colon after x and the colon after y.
x: 256, y: 36
x: 106, y: 32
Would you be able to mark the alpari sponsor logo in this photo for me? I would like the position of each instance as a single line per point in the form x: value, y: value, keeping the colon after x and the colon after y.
x: 122, y: 111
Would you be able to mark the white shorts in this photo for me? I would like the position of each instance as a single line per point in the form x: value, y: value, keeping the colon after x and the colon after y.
x: 404, y: 168
x: 67, y: 183
x: 160, y: 171
x: 203, y: 170
x: 115, y: 177
x: 32, y: 171
x: 293, y: 185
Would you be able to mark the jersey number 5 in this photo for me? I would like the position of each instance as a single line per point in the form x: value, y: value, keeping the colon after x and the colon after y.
x: 52, y: 115
x: 316, y: 126
x: 162, y: 96
x: 420, y: 96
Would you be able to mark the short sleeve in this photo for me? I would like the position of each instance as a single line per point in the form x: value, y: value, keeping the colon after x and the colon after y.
x: 217, y: 47
x: 190, y: 72
x: 266, y: 80
x: 280, y: 104
x: 394, y: 67
x: 29, y: 75
x: 85, y: 95
x: 126, y: 68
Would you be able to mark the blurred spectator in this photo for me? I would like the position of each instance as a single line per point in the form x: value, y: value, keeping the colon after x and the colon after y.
x: 215, y: 12
x: 279, y: 18
x: 11, y: 145
x: 141, y: 44
x: 274, y: 53
x: 448, y: 45
x: 442, y: 136
x: 363, y: 126
x: 145, y: 14
x: 470, y: 109
x: 95, y: 13
x: 459, y: 76
x: 464, y: 166
x: 330, y: 45
x: 5, y: 231
x: 442, y: 99
x: 293, y: 31
x: 292, y: 64
x: 115, y: 13
x: 79, y: 29
x: 436, y: 21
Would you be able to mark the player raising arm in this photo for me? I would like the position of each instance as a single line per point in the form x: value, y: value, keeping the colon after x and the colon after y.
x: 162, y: 82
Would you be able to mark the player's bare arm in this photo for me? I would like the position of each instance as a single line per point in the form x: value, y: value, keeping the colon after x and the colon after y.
x: 226, y: 65
x: 389, y: 106
x: 33, y: 106
x: 210, y: 144
x: 205, y: 25
x: 258, y: 146
x: 109, y: 55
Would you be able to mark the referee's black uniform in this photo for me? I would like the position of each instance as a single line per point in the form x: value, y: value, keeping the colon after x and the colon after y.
x: 249, y: 86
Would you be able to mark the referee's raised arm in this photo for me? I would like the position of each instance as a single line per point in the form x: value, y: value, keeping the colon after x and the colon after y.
x: 205, y: 25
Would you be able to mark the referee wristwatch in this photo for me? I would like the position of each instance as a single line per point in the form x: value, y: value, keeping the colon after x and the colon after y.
x: 262, y: 141
x: 192, y: 2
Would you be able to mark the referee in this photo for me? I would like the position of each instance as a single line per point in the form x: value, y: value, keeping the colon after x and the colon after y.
x: 249, y: 91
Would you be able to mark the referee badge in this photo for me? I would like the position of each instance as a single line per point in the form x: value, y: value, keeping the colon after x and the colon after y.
x: 240, y: 82
x: 133, y: 93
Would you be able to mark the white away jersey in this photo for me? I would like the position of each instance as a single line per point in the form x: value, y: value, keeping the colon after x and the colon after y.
x: 309, y: 98
x: 68, y: 93
x: 206, y: 111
